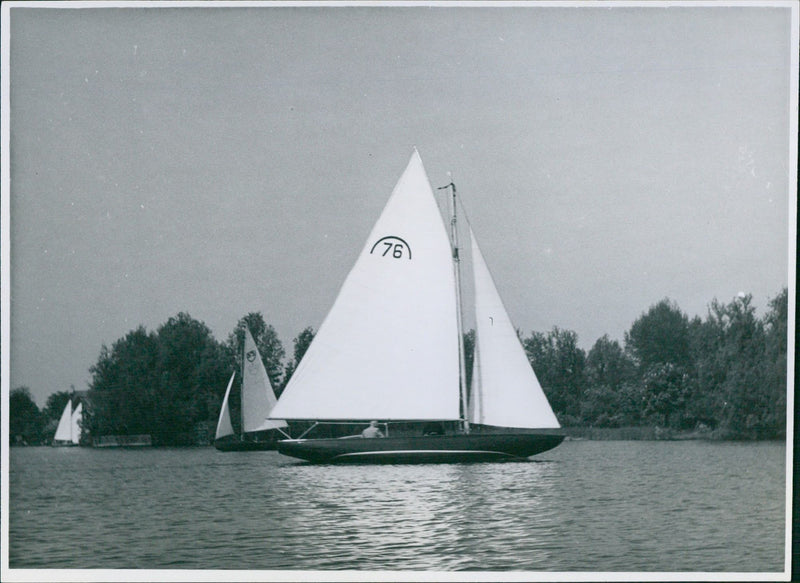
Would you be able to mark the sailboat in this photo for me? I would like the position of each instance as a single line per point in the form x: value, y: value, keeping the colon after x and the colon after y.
x: 68, y: 431
x: 258, y: 399
x: 391, y: 350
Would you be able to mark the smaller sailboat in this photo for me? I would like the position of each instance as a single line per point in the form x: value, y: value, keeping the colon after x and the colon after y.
x: 257, y: 402
x: 68, y: 431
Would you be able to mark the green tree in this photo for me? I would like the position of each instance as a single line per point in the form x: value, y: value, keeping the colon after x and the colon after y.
x: 559, y: 365
x: 776, y: 331
x: 659, y: 343
x: 740, y: 354
x: 660, y: 336
x: 123, y: 394
x: 666, y: 390
x: 164, y: 383
x: 190, y: 369
x: 54, y: 406
x: 609, y: 399
x: 24, y: 418
x: 608, y: 364
x: 709, y: 370
x: 301, y: 343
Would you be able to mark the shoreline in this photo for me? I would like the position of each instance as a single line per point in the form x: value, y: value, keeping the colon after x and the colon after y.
x: 653, y: 433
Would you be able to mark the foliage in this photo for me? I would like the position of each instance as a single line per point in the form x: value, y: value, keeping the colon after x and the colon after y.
x: 665, y: 390
x: 610, y: 399
x: 726, y: 374
x: 740, y: 367
x: 166, y: 384
x: 301, y: 343
x: 775, y: 365
x: 55, y: 404
x: 659, y: 336
x: 24, y: 418
x: 125, y: 388
x: 560, y: 367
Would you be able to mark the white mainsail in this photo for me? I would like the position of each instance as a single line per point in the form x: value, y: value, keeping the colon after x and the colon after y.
x: 75, y: 424
x: 388, y: 348
x: 64, y: 429
x: 224, y: 426
x: 505, y: 390
x: 258, y: 398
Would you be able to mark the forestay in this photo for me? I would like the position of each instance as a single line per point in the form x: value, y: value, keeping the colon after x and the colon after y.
x: 258, y: 398
x: 388, y: 348
x: 505, y: 390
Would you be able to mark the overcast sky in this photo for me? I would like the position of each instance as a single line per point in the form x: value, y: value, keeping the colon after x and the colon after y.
x: 220, y: 161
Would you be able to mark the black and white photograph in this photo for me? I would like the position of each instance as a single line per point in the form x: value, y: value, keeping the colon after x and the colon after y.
x: 398, y: 291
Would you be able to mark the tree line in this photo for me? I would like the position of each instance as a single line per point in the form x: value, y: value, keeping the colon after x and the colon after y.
x: 724, y: 374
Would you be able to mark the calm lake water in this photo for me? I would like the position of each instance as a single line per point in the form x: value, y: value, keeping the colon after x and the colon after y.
x: 584, y: 506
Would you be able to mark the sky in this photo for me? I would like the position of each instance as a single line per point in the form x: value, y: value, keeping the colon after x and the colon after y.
x: 225, y: 160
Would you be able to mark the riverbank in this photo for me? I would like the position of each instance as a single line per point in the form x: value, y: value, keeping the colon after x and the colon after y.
x: 647, y: 433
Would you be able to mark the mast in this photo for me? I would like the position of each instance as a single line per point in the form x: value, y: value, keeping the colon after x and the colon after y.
x: 457, y: 268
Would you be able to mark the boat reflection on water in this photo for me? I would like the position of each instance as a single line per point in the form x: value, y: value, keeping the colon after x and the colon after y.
x: 426, y: 517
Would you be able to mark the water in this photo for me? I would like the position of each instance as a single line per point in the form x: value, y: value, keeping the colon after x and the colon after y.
x: 584, y: 506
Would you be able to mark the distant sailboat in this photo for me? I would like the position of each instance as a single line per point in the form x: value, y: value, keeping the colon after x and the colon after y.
x: 391, y: 349
x: 68, y: 431
x: 257, y: 402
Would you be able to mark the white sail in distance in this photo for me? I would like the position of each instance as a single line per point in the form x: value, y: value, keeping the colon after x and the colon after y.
x: 258, y: 398
x: 224, y: 426
x: 64, y: 429
x: 75, y: 426
x: 388, y: 348
x: 505, y: 390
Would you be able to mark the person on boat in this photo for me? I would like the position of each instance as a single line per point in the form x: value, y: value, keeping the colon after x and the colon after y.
x: 372, y: 430
x: 433, y: 428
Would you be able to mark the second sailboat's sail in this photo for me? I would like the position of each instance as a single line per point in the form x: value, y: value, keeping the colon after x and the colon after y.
x: 258, y: 398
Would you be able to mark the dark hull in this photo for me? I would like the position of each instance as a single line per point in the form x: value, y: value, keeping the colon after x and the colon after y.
x: 479, y: 447
x: 237, y: 445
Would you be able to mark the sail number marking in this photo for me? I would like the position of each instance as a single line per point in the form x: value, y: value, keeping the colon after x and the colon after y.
x: 391, y: 246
